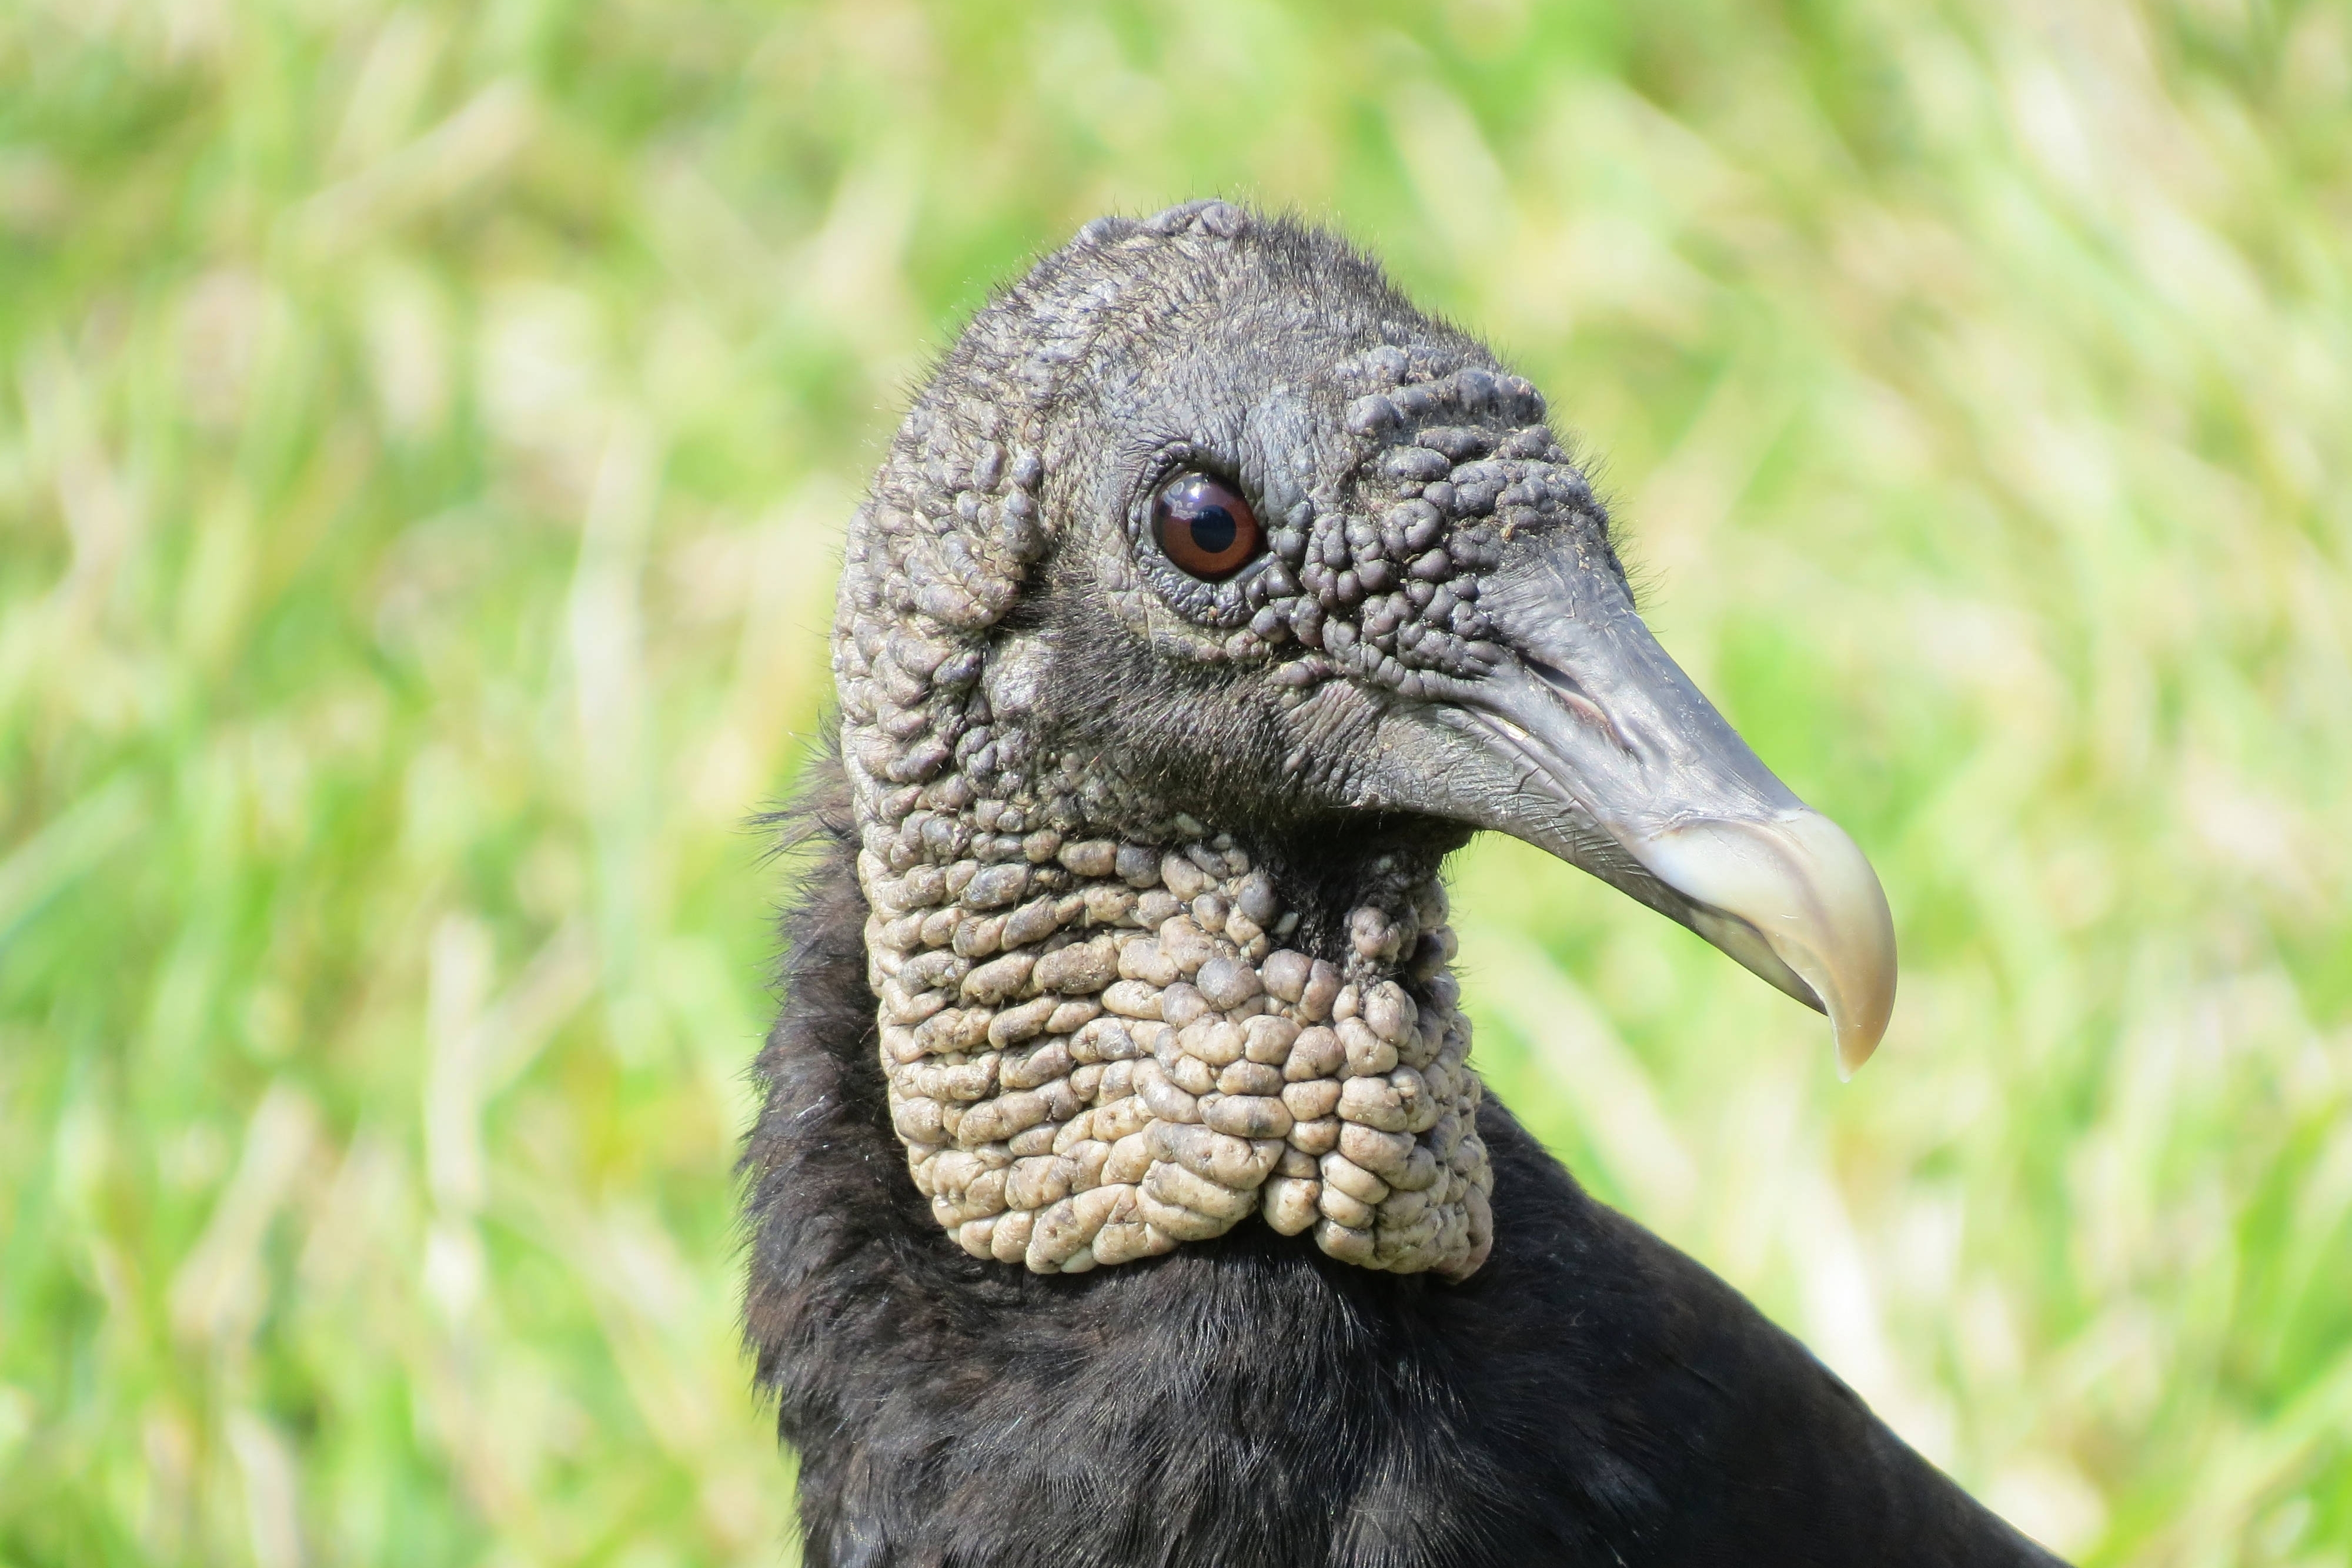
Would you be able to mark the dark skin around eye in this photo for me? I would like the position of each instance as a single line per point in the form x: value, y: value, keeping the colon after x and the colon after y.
x: 1204, y: 526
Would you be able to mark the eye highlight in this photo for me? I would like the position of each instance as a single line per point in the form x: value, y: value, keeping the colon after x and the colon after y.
x: 1204, y: 528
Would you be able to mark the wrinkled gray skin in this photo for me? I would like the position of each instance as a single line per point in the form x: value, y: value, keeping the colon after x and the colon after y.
x: 1437, y: 562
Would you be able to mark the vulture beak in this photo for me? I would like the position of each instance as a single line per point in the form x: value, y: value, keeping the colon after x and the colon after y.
x: 1610, y: 759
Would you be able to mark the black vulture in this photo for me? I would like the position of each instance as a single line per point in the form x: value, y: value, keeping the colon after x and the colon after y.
x: 1122, y: 1193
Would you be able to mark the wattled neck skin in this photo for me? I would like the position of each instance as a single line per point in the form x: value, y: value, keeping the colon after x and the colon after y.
x: 1097, y: 1049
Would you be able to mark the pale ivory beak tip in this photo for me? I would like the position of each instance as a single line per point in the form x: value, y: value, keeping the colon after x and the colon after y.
x: 1855, y: 1047
x: 1804, y: 909
x: 1858, y: 1038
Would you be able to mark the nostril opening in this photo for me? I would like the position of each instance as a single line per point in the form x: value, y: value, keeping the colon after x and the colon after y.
x: 1572, y: 695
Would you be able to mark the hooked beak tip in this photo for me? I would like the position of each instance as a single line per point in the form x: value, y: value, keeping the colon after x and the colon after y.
x: 1794, y: 900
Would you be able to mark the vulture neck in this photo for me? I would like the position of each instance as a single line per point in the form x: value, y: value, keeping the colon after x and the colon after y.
x: 1101, y: 1043
x: 1587, y: 1396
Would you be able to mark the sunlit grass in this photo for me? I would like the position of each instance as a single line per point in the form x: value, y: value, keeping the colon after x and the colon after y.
x: 424, y: 432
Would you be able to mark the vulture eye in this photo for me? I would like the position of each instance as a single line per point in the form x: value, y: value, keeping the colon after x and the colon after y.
x: 1204, y: 528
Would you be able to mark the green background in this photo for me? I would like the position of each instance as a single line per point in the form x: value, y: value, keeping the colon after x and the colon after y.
x: 426, y: 432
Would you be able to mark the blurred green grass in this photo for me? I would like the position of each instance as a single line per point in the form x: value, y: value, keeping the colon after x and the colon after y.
x: 424, y: 431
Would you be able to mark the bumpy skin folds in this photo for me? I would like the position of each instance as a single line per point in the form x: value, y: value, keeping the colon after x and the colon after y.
x: 1100, y: 1072
x: 1123, y: 1192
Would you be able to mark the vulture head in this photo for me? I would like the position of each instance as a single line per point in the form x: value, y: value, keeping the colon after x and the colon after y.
x: 1211, y: 595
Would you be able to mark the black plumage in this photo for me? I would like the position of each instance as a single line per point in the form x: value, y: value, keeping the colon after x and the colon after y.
x: 1586, y: 1395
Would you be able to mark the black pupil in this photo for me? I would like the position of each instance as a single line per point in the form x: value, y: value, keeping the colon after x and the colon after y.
x: 1213, y: 527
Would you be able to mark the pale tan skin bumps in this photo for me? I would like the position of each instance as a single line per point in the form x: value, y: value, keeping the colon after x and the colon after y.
x: 1096, y: 1052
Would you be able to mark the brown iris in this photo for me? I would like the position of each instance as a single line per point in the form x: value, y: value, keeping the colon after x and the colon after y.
x: 1204, y: 527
